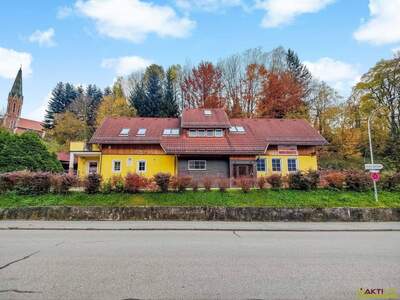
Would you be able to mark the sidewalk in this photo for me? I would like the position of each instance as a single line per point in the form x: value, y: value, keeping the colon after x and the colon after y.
x: 199, y: 226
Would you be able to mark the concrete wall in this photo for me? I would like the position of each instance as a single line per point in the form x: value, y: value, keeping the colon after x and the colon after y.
x: 202, y: 213
x: 215, y: 168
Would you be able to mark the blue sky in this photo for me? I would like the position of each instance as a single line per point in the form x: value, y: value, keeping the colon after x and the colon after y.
x: 93, y: 41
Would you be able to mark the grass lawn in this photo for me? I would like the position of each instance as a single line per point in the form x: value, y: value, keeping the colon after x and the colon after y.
x: 232, y: 198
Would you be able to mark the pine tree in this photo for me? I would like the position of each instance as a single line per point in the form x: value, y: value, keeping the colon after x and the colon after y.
x: 169, y: 104
x: 138, y: 98
x: 61, y: 97
x: 94, y: 95
x: 154, y: 76
x: 299, y: 71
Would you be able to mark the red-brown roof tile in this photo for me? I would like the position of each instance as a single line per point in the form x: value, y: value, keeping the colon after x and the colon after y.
x: 195, y: 118
x: 29, y: 124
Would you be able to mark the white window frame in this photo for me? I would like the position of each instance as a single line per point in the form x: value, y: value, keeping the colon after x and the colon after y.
x: 219, y: 133
x: 280, y: 164
x: 174, y: 131
x: 210, y: 131
x: 265, y: 164
x: 129, y: 161
x: 138, y: 166
x: 207, y: 112
x: 167, y: 131
x: 141, y: 132
x: 113, y: 166
x: 297, y: 164
x: 194, y: 163
x: 192, y: 133
x: 124, y: 132
x: 201, y: 133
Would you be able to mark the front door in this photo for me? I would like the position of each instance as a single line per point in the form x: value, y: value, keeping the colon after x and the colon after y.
x: 243, y: 170
x: 92, y: 167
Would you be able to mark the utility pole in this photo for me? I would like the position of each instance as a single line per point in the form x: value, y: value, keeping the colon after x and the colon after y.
x: 370, y: 147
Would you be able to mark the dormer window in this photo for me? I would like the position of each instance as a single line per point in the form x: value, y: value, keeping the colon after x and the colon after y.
x: 141, y: 132
x: 207, y: 112
x: 237, y: 129
x: 124, y: 132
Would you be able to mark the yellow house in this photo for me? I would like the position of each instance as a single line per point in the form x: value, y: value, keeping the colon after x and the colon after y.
x: 203, y: 142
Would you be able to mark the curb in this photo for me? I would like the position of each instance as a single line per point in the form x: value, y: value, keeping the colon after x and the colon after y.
x: 200, y: 229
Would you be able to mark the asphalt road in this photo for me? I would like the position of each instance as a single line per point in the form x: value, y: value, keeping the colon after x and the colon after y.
x: 52, y: 264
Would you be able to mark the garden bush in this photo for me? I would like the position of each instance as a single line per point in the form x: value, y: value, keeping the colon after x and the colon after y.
x: 245, y: 183
x: 61, y: 183
x: 106, y: 186
x: 134, y: 183
x: 390, y: 182
x: 207, y: 183
x: 183, y: 183
x: 303, y: 181
x: 335, y: 180
x: 162, y: 180
x: 358, y: 181
x: 223, y: 184
x: 275, y: 180
x: 194, y: 185
x: 33, y: 183
x: 261, y: 182
x: 117, y: 183
x: 92, y: 183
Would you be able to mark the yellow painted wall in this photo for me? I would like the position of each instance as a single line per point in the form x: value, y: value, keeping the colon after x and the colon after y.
x: 154, y: 165
x: 304, y: 163
x: 83, y: 165
x: 81, y: 146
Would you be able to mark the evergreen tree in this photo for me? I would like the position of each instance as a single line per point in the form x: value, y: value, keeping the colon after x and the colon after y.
x: 154, y: 77
x: 94, y: 95
x: 61, y: 97
x: 299, y: 71
x: 138, y: 98
x: 107, y: 92
x: 169, y: 105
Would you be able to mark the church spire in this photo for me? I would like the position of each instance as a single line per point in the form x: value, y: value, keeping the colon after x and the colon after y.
x: 16, y: 90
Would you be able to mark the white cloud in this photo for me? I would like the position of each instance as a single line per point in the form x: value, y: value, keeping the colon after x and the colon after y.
x: 283, y: 12
x: 384, y: 24
x: 133, y: 20
x: 396, y: 50
x: 64, y: 12
x: 39, y: 112
x: 126, y: 64
x: 43, y: 38
x: 208, y: 5
x: 340, y: 75
x: 11, y: 60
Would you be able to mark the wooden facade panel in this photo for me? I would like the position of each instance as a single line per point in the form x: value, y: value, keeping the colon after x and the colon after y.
x: 132, y: 149
x: 302, y: 150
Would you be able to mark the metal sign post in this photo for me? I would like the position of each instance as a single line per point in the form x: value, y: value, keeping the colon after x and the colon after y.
x: 370, y: 150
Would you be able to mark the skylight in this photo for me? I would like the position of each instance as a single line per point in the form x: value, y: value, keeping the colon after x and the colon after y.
x: 237, y: 129
x: 124, y: 132
x: 141, y: 131
x: 207, y: 112
x: 171, y: 131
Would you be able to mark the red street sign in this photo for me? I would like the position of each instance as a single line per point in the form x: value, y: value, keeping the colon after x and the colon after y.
x: 375, y: 176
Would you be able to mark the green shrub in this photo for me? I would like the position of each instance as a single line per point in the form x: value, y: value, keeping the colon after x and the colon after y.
x: 106, y: 187
x: 92, y: 183
x: 390, y: 182
x: 162, y: 180
x: 117, y: 183
x: 303, y: 181
x: 275, y: 180
x: 358, y: 181
x: 134, y: 183
x: 33, y: 183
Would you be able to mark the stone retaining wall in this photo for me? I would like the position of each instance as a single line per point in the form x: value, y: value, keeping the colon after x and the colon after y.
x: 201, y: 213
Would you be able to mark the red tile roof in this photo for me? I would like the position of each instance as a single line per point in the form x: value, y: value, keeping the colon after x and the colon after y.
x: 108, y: 132
x: 259, y: 133
x: 29, y: 124
x: 63, y: 156
x: 195, y: 118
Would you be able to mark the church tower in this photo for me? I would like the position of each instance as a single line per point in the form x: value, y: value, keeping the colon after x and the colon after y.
x: 15, y: 100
